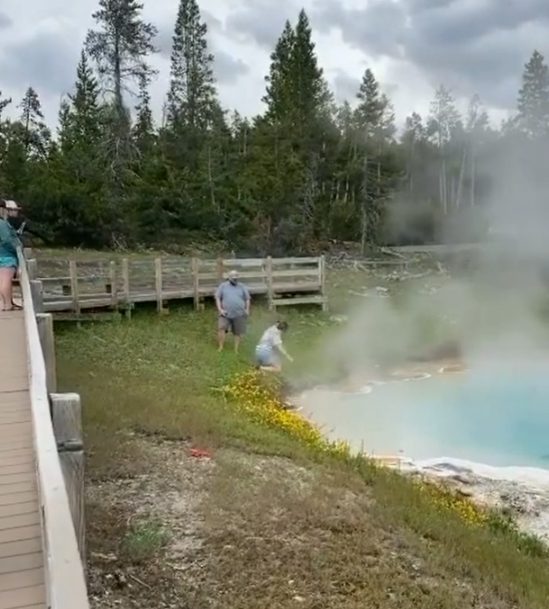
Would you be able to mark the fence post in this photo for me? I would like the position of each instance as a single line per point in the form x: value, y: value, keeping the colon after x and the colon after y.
x: 67, y: 426
x: 126, y: 286
x: 114, y: 286
x: 322, y: 277
x: 158, y: 284
x: 45, y: 331
x: 195, y: 264
x: 37, y: 295
x: 74, y: 287
x: 220, y: 269
x: 32, y: 268
x: 270, y: 287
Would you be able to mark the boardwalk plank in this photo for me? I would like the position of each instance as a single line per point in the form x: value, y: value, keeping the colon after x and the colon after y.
x: 23, y: 562
x: 22, y: 597
x: 21, y: 579
x: 20, y: 533
x: 23, y: 507
x: 22, y: 575
x: 15, y: 521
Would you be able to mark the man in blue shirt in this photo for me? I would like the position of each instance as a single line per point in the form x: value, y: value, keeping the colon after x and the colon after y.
x: 232, y: 299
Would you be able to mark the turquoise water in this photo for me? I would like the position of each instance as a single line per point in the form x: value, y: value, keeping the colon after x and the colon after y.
x: 499, y: 417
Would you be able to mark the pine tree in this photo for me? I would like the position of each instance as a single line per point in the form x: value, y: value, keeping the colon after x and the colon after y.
x: 310, y: 92
x: 533, y: 98
x: 192, y: 91
x: 374, y: 116
x: 278, y: 96
x: 80, y: 163
x: 80, y: 115
x: 143, y: 130
x: 121, y: 46
x: 296, y: 90
x: 35, y: 134
x: 299, y: 110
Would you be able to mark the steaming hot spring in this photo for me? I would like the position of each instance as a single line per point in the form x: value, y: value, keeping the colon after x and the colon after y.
x: 486, y: 428
x: 498, y: 415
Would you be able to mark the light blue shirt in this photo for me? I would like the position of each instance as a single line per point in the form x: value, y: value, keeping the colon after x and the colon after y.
x: 233, y: 298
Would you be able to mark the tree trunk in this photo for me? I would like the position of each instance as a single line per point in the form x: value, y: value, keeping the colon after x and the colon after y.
x: 473, y: 169
x: 364, y: 224
x: 457, y: 202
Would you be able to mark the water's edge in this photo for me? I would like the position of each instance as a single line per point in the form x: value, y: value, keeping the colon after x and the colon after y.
x: 521, y: 491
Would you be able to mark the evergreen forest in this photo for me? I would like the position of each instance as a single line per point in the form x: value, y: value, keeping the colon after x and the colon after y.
x: 306, y: 173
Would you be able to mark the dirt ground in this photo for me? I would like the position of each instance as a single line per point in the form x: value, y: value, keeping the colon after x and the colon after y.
x: 239, y: 530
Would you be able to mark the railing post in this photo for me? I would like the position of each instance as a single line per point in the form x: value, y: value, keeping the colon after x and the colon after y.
x: 158, y: 284
x: 126, y: 286
x: 67, y: 427
x: 73, y: 272
x: 32, y: 268
x: 322, y: 277
x: 37, y: 295
x: 270, y: 285
x: 195, y: 270
x: 45, y: 331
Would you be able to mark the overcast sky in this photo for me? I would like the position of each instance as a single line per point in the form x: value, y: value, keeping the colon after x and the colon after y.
x: 473, y: 46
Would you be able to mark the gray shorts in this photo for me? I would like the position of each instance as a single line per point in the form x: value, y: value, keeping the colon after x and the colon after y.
x: 237, y: 326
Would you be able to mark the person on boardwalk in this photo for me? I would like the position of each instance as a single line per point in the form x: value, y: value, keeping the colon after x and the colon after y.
x: 269, y: 348
x: 232, y: 299
x: 9, y: 262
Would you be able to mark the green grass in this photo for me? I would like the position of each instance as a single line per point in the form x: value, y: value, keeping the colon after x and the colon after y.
x: 160, y: 375
x: 367, y: 535
x: 144, y: 540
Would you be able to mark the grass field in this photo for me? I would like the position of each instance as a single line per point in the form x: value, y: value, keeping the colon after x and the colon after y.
x: 266, y: 523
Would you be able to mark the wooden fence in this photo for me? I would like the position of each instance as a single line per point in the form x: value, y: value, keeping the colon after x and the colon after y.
x: 59, y: 455
x: 120, y: 284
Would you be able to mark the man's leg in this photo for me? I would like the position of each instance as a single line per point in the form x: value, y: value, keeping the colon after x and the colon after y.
x: 223, y: 325
x: 238, y: 327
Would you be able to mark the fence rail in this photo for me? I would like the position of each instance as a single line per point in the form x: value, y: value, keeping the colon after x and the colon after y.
x: 64, y: 570
x: 120, y: 284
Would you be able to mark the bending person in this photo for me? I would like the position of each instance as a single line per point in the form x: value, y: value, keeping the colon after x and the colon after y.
x: 8, y: 255
x: 269, y: 348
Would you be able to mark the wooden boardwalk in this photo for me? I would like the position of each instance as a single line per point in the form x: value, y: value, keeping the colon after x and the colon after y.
x: 22, y: 575
x: 120, y: 284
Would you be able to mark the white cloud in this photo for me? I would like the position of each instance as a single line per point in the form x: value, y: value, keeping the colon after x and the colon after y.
x: 44, y: 51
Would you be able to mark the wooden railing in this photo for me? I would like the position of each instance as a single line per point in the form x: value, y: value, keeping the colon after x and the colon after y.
x: 75, y: 286
x: 64, y: 568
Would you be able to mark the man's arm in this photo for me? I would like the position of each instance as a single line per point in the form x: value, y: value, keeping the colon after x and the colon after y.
x: 248, y: 299
x: 218, y: 299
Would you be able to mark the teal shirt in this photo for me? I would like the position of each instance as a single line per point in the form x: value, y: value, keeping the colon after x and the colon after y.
x: 8, y: 240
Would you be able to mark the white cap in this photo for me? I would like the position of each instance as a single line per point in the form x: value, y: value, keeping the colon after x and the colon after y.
x: 12, y: 205
x: 233, y: 274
